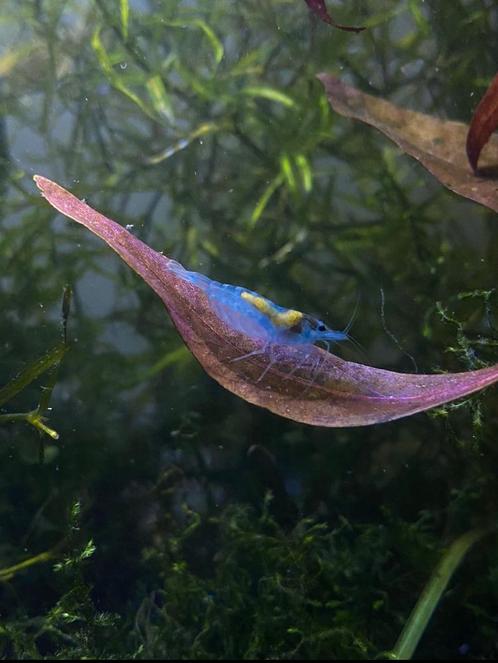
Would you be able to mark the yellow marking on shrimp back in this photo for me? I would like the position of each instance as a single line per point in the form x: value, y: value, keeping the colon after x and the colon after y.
x: 286, y: 319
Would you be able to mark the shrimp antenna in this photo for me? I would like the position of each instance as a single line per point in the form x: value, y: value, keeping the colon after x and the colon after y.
x: 346, y: 329
x: 353, y: 316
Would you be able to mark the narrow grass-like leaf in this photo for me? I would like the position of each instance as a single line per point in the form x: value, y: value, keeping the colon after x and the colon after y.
x: 265, y: 197
x: 304, y: 167
x: 214, y: 42
x: 202, y: 130
x: 269, y: 93
x: 124, y: 12
x: 159, y: 97
x: 432, y: 593
x: 113, y: 77
x: 288, y: 172
x: 9, y: 572
x: 32, y: 372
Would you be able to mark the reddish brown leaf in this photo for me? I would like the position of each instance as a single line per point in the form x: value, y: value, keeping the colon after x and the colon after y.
x: 319, y: 9
x: 483, y: 123
x: 439, y: 145
x: 339, y: 393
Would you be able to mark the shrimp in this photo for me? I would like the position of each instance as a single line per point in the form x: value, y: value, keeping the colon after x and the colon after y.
x: 263, y: 320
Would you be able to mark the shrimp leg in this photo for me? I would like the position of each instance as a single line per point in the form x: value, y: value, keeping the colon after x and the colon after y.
x: 254, y: 353
x: 299, y: 365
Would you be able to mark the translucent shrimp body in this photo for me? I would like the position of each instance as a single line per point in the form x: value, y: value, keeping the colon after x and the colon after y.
x: 258, y: 317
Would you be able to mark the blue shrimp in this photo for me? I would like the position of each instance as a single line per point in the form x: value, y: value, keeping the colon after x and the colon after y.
x: 263, y: 320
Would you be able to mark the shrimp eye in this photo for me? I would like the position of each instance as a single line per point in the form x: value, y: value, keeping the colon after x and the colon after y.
x: 322, y: 328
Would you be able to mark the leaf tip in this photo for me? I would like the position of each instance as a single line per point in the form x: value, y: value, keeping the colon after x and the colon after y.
x: 40, y: 181
x: 47, y: 188
x: 472, y: 153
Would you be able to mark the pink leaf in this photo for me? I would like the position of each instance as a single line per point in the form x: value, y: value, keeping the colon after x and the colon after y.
x: 303, y: 382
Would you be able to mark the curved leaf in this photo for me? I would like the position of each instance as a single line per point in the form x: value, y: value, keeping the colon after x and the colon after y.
x: 439, y: 145
x: 303, y: 383
x: 319, y: 8
x: 484, y: 122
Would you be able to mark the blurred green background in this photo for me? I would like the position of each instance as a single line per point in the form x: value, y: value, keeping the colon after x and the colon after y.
x: 170, y: 518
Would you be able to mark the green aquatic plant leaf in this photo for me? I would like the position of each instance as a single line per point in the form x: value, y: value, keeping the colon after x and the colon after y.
x: 160, y: 98
x: 9, y: 572
x: 209, y: 33
x: 265, y: 198
x: 202, y: 130
x: 113, y: 77
x: 298, y: 381
x: 32, y: 372
x: 270, y: 93
x: 124, y: 10
x: 429, y: 599
x: 48, y: 364
x: 439, y: 145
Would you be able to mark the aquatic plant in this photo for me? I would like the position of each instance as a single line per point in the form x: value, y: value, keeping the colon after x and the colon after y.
x: 204, y: 130
x: 47, y: 365
x: 439, y: 145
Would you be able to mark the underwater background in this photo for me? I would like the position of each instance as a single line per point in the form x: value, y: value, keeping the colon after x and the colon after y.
x: 151, y: 513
